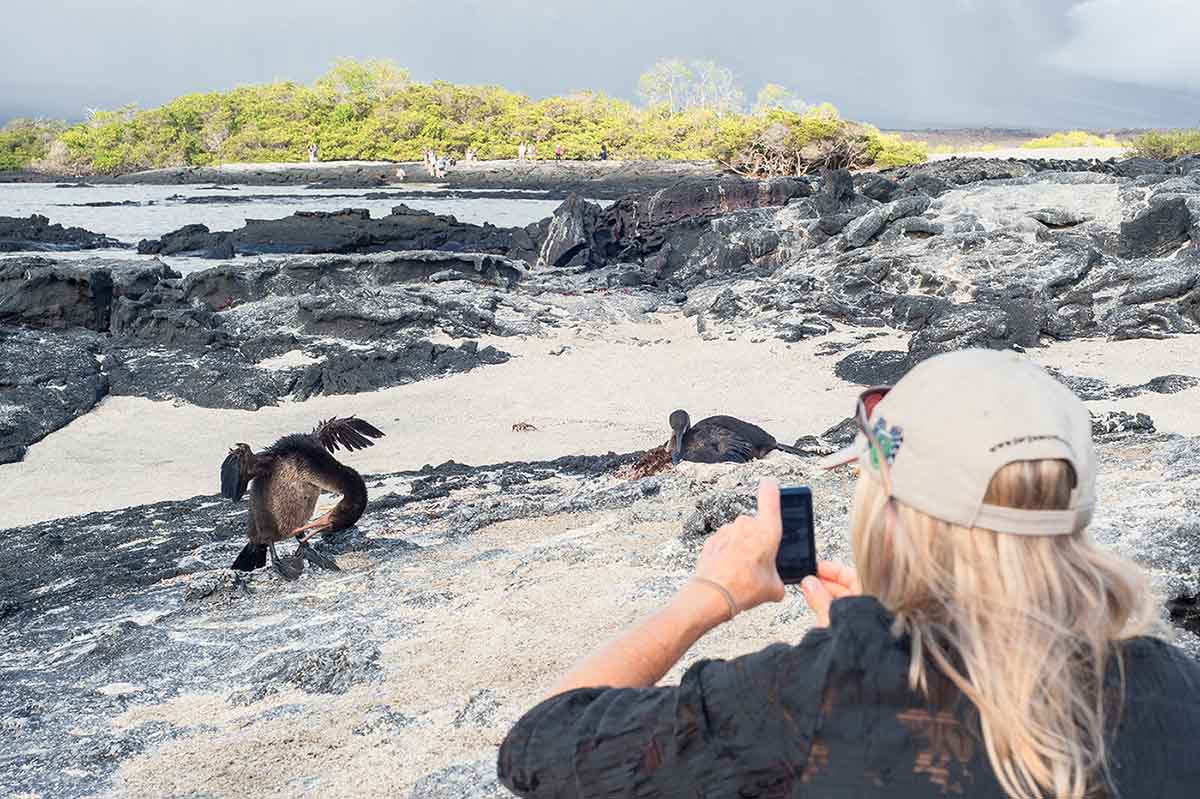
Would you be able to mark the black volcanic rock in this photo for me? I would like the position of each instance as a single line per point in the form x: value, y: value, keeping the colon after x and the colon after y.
x: 960, y: 171
x: 569, y: 236
x: 837, y: 194
x: 351, y: 372
x: 37, y: 234
x: 151, y: 322
x: 213, y: 377
x: 347, y: 231
x: 46, y: 293
x: 664, y: 229
x: 46, y: 380
x: 188, y: 240
x: 1137, y: 167
x: 1119, y: 423
x: 877, y: 187
x: 872, y: 367
x: 1158, y: 230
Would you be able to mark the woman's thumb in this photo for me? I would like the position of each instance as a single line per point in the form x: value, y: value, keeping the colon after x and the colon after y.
x: 818, y: 598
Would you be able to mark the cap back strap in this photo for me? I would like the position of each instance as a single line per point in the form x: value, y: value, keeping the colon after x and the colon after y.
x: 1016, y: 521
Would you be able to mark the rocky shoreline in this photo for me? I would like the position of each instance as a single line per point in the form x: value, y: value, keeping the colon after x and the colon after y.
x: 599, y: 179
x: 142, y: 666
x: 786, y: 259
x: 1042, y: 251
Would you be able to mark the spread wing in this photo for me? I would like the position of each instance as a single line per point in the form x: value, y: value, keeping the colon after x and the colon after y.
x: 349, y: 432
x: 235, y: 476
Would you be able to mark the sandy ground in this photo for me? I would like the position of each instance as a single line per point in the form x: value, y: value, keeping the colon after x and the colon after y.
x: 609, y: 392
x: 1028, y: 153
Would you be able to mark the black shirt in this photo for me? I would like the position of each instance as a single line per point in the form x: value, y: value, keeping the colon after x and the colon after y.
x: 830, y: 717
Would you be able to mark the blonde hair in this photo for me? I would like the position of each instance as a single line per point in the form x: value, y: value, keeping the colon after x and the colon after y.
x: 1023, y: 626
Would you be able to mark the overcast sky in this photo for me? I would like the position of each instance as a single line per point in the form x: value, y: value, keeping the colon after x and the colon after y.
x: 914, y: 63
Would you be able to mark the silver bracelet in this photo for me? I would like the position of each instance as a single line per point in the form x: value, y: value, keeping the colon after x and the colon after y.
x: 733, y: 608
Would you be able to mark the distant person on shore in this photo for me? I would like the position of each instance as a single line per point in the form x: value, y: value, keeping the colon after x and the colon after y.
x: 400, y: 173
x: 312, y: 153
x: 603, y: 152
x: 521, y: 151
x: 558, y: 152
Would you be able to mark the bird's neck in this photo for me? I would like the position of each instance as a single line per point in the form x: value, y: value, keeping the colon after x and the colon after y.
x: 353, y: 502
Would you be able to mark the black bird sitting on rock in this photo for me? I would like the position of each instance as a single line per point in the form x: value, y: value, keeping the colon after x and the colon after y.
x: 720, y: 439
x: 286, y: 480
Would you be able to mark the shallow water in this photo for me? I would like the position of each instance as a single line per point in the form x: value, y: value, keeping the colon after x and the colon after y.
x: 156, y: 210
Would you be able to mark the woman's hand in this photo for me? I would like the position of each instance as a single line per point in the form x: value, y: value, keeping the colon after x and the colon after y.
x: 741, y: 555
x: 833, y: 581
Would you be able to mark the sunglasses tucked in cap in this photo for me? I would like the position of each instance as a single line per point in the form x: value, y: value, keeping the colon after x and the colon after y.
x: 956, y: 419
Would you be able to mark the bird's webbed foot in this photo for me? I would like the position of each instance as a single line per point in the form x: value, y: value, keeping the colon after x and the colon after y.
x: 307, y: 552
x: 291, y: 568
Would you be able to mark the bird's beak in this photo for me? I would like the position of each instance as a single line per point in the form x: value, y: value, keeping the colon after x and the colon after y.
x: 677, y: 449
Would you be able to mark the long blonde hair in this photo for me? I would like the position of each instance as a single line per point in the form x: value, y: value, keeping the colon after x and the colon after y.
x: 1023, y: 626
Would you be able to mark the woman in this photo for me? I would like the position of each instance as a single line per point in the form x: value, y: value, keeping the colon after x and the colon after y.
x: 994, y: 651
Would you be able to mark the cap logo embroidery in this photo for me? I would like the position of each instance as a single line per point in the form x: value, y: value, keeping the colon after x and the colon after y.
x: 888, y: 440
x: 1012, y: 442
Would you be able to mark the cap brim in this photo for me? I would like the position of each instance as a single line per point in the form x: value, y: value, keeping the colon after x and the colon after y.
x: 842, y: 457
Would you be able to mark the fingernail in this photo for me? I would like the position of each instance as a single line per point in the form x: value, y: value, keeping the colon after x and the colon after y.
x: 808, y: 583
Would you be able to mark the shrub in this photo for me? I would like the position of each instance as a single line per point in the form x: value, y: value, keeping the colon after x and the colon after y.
x: 1167, y: 143
x: 1074, y: 138
x: 789, y: 143
x: 372, y: 110
x: 889, y: 149
x: 24, y: 141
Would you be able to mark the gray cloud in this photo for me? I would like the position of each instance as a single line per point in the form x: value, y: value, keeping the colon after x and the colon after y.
x: 920, y: 63
x: 1150, y: 42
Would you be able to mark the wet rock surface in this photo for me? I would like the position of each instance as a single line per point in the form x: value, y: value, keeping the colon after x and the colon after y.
x: 346, y: 231
x: 139, y: 665
x: 37, y: 233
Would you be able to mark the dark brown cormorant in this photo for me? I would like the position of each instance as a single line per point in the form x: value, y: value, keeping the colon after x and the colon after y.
x: 287, y: 478
x: 720, y: 439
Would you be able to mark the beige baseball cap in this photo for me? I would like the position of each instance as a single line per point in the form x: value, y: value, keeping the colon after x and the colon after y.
x: 954, y: 420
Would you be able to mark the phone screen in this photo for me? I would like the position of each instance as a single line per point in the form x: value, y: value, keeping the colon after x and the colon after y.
x: 797, y: 556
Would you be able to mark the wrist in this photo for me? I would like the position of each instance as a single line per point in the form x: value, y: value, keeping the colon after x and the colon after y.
x: 702, y: 605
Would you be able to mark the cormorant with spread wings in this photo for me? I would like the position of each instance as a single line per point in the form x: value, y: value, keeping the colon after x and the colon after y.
x: 285, y: 481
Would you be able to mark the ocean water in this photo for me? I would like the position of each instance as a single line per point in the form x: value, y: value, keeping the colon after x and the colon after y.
x: 136, y: 212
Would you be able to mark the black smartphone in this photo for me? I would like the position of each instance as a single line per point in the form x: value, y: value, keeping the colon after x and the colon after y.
x: 797, y: 556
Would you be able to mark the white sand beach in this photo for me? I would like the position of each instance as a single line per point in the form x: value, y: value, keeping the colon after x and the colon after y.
x: 611, y: 391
